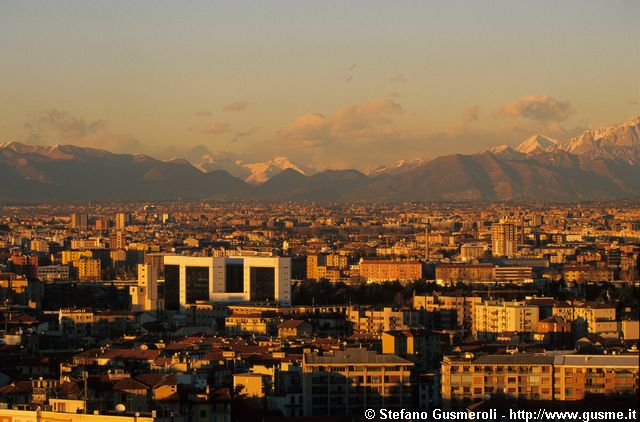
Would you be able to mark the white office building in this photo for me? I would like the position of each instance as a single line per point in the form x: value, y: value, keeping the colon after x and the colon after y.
x: 226, y: 279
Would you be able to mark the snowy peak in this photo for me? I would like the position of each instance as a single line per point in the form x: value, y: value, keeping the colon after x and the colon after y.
x: 399, y: 166
x: 620, y: 141
x: 537, y: 144
x: 262, y: 171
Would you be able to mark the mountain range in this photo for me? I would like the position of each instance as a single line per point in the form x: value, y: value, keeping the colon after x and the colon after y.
x: 602, y: 164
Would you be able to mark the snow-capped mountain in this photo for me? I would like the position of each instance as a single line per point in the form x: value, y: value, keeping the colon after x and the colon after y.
x: 262, y: 171
x: 536, y: 144
x: 620, y: 141
x: 399, y: 166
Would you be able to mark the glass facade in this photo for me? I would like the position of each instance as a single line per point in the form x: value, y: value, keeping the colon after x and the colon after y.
x: 262, y: 284
x: 234, y: 278
x: 197, y: 284
x: 172, y: 287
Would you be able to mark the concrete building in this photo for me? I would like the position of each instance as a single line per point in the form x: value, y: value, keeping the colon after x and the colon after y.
x: 505, y: 238
x: 54, y: 272
x: 348, y: 382
x: 189, y: 279
x: 461, y: 308
x: 472, y: 251
x: 384, y: 270
x: 537, y: 377
x: 79, y: 220
x: 123, y: 219
x: 144, y: 296
x: 465, y: 273
x: 87, y: 269
x: 376, y: 321
x: 492, y: 318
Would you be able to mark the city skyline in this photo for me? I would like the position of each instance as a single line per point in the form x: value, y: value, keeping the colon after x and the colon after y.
x: 325, y: 85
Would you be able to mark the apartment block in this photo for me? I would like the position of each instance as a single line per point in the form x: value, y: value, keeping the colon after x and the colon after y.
x: 348, y: 382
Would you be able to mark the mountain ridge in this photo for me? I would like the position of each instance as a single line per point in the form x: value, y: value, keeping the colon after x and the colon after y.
x: 597, y: 164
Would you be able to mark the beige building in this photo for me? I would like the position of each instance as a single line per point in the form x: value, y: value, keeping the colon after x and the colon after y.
x: 589, y: 317
x: 376, y: 321
x: 492, y: 318
x: 144, y: 296
x: 505, y: 238
x: 87, y: 269
x: 348, y: 382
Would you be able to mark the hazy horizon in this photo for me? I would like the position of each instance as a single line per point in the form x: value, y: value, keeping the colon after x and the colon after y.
x: 330, y: 85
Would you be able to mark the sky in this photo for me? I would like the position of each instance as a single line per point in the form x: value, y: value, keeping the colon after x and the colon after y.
x: 326, y: 83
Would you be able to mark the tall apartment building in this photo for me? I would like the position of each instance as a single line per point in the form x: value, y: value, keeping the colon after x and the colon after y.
x: 87, y: 269
x: 123, y: 219
x: 189, y: 279
x: 313, y: 263
x: 505, y: 238
x: 531, y: 376
x: 101, y: 224
x: 492, y: 318
x: 348, y: 382
x: 384, y: 270
x: 79, y: 221
x: 144, y: 296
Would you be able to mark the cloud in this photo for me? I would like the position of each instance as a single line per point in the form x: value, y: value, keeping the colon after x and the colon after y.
x: 349, y: 77
x: 60, y: 127
x: 203, y: 113
x: 239, y: 105
x: 364, y: 122
x: 470, y: 114
x: 398, y: 78
x: 215, y: 128
x: 242, y: 134
x: 540, y: 108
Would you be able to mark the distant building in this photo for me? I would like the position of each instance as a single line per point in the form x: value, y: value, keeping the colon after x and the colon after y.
x: 54, y: 272
x: 26, y: 265
x: 465, y: 273
x: 472, y: 251
x: 123, y: 219
x: 87, y: 269
x: 384, y: 270
x: 505, y: 238
x: 295, y: 328
x: 79, y: 221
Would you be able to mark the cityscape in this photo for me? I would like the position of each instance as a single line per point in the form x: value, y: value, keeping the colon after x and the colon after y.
x: 319, y: 211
